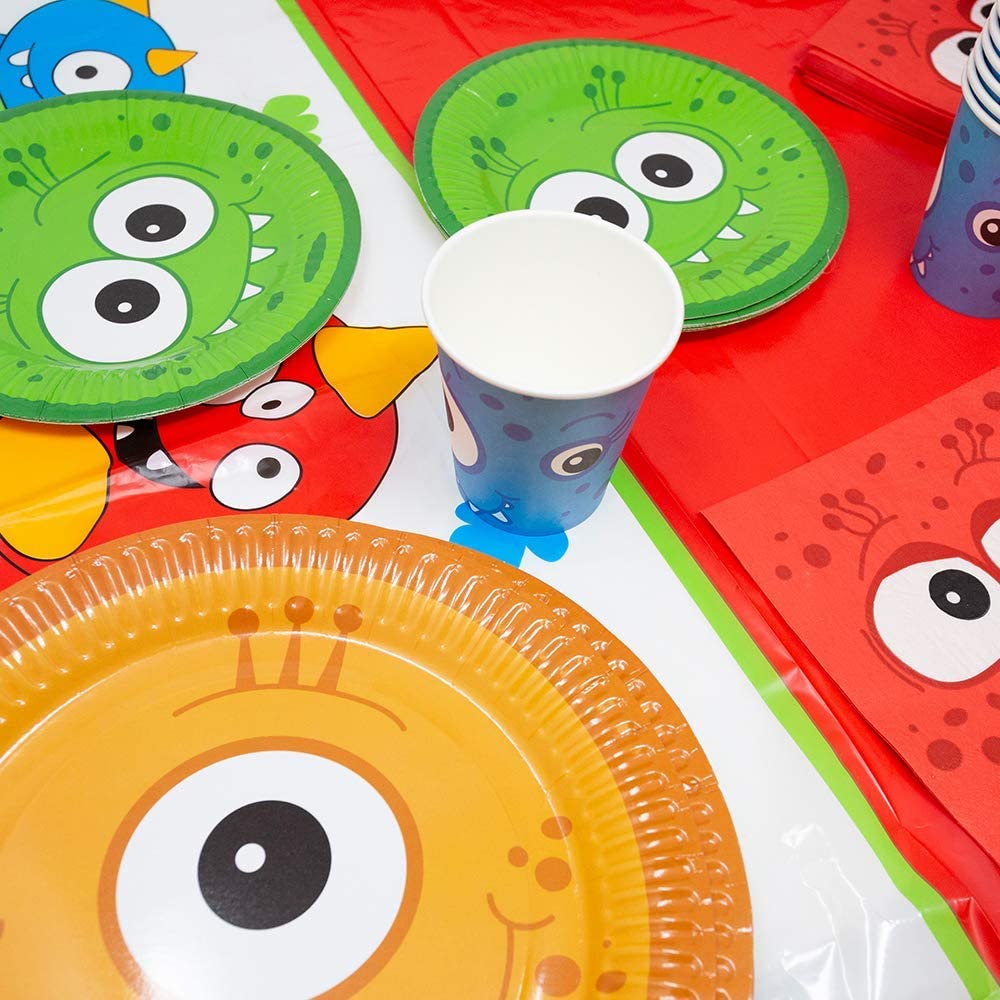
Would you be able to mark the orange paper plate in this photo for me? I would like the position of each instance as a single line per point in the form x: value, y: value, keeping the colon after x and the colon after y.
x: 297, y: 758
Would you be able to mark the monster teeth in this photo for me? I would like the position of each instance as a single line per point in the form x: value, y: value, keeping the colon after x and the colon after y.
x: 921, y: 267
x: 472, y: 507
x: 250, y: 290
x: 259, y: 221
x: 122, y: 431
x: 501, y: 516
x: 26, y: 80
x: 699, y: 258
x: 260, y: 253
x: 747, y: 208
x: 19, y: 58
x: 729, y: 234
x: 228, y: 325
x: 158, y: 460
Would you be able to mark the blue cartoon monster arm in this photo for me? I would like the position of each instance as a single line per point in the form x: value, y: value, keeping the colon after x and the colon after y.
x: 476, y: 534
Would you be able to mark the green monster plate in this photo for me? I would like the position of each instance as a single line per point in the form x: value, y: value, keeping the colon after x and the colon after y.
x: 157, y: 250
x: 737, y: 189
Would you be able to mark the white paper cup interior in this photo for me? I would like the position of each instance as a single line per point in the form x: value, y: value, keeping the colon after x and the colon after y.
x: 552, y: 304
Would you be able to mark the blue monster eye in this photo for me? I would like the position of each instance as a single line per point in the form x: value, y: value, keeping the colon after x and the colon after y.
x: 464, y: 443
x: 573, y: 460
x: 983, y: 222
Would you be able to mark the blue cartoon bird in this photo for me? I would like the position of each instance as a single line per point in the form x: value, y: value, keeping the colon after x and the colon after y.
x: 71, y: 46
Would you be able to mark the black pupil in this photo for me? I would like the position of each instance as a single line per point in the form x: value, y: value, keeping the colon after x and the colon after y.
x: 984, y: 11
x: 264, y: 865
x: 966, y: 45
x: 959, y: 594
x: 128, y: 300
x: 605, y: 208
x: 86, y: 72
x: 582, y: 460
x: 268, y: 468
x: 989, y: 232
x: 667, y: 170
x: 271, y: 404
x: 155, y: 223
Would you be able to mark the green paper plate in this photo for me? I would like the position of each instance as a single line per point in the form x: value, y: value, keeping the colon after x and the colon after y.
x: 157, y: 250
x: 735, y: 187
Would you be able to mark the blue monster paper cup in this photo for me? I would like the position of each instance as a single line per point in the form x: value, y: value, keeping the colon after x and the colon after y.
x: 549, y: 327
x: 956, y: 258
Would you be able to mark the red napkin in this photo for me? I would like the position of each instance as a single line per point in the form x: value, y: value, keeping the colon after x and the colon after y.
x: 898, y: 60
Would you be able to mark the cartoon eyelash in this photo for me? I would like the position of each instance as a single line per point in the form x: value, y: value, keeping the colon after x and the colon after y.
x: 243, y: 623
x: 977, y: 445
x: 864, y: 514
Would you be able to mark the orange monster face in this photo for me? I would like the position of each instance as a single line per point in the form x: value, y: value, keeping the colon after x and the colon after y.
x: 360, y: 771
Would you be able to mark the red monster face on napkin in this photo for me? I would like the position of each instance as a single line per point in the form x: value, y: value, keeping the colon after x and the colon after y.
x: 314, y: 435
x: 884, y: 558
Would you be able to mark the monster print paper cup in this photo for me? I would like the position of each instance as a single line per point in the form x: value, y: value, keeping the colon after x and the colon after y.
x: 956, y: 258
x: 549, y: 327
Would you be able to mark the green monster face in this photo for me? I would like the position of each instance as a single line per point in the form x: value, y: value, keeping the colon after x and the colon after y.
x: 732, y: 185
x: 157, y: 250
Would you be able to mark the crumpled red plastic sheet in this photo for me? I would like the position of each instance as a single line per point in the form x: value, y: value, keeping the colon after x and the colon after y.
x: 736, y: 408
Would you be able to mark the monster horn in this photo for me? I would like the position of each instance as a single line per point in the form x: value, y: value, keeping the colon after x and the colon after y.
x: 164, y: 61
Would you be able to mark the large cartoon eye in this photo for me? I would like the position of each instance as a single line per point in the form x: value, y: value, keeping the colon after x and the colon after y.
x: 573, y: 461
x: 270, y: 873
x: 464, y: 443
x: 115, y: 310
x: 949, y: 57
x: 983, y: 223
x: 277, y: 400
x: 669, y: 166
x: 593, y: 194
x: 153, y: 217
x: 979, y: 13
x: 941, y: 618
x: 254, y: 476
x: 81, y: 72
x: 242, y: 391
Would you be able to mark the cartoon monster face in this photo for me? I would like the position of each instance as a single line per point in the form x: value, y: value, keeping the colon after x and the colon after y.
x: 533, y: 466
x: 167, y: 247
x: 259, y: 819
x: 956, y: 259
x: 947, y: 49
x: 884, y: 557
x: 316, y: 433
x: 726, y: 180
x: 78, y: 46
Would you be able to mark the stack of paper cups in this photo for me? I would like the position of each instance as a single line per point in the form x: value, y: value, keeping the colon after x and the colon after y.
x: 956, y: 259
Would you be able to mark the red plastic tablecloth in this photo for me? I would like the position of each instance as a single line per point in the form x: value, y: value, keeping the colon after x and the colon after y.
x: 738, y: 407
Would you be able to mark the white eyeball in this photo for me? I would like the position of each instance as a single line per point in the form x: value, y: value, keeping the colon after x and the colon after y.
x: 153, y: 217
x: 254, y: 476
x: 669, y: 166
x: 941, y: 618
x: 593, y: 194
x: 464, y: 444
x: 114, y: 310
x: 950, y: 56
x: 82, y: 72
x: 242, y: 391
x: 275, y: 873
x: 576, y: 459
x: 979, y: 12
x: 277, y: 400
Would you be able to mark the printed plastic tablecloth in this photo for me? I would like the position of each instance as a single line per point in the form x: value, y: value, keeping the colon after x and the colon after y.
x: 838, y: 911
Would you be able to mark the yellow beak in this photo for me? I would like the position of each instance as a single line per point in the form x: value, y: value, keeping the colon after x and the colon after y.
x: 55, y: 487
x: 139, y: 6
x: 369, y: 367
x: 164, y: 61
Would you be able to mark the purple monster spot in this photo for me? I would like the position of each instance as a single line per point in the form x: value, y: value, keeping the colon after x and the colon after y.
x: 517, y: 432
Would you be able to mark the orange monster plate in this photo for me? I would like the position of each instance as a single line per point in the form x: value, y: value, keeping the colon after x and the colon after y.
x: 294, y: 757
